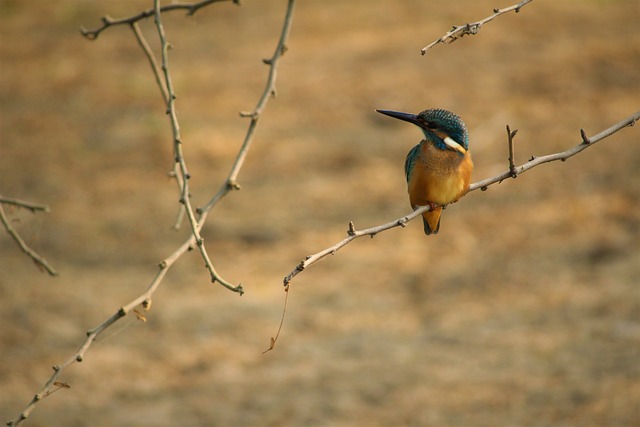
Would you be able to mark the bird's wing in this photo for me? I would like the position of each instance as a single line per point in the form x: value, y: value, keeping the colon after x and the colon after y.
x: 411, y: 161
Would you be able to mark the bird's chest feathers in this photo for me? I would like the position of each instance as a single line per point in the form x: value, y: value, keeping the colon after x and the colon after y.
x: 439, y: 176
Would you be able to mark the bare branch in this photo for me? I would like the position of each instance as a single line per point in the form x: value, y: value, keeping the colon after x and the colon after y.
x: 512, y: 160
x: 353, y: 234
x: 157, y: 74
x: 144, y: 299
x: 232, y: 180
x: 107, y: 21
x: 175, y: 173
x: 535, y: 161
x: 33, y: 207
x: 155, y: 68
x: 473, y: 28
x: 179, y: 156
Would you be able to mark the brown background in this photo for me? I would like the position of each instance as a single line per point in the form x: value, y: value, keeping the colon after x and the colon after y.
x: 523, y: 311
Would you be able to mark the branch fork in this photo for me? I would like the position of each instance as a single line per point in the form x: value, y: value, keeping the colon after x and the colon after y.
x: 39, y: 260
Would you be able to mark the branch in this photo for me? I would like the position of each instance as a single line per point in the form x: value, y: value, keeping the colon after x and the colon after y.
x: 155, y: 68
x: 231, y: 182
x: 157, y: 74
x: 144, y: 299
x: 179, y: 156
x: 108, y: 21
x: 460, y: 31
x: 33, y: 207
x: 563, y: 156
x: 483, y: 185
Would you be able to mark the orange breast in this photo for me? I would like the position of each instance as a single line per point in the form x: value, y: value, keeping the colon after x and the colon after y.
x: 439, y: 176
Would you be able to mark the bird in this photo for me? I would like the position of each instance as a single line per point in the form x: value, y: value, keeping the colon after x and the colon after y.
x: 438, y: 169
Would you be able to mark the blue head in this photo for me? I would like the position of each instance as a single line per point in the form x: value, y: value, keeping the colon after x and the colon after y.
x: 445, y: 129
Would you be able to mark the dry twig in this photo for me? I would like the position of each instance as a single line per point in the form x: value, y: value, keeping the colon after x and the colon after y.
x: 108, y: 21
x: 459, y: 31
x: 157, y: 74
x: 179, y: 156
x: 33, y: 207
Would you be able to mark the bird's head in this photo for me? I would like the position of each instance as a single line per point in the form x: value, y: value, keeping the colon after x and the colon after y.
x: 445, y: 129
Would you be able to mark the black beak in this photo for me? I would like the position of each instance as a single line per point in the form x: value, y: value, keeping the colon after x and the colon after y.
x: 407, y: 117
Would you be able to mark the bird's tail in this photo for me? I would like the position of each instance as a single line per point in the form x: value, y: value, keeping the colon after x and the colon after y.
x: 431, y: 220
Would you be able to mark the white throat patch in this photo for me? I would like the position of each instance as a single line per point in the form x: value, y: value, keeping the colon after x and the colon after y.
x: 453, y: 144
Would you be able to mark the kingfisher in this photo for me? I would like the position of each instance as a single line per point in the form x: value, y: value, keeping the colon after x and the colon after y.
x: 438, y: 169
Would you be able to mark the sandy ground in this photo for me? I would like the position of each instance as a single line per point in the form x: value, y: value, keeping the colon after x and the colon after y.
x: 523, y: 311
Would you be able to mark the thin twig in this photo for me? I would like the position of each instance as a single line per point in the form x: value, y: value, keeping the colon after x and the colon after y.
x: 353, y: 234
x: 155, y: 68
x: 512, y: 160
x: 179, y: 157
x: 157, y: 74
x: 535, y: 161
x: 33, y: 207
x: 108, y: 21
x: 270, y: 89
x: 175, y: 173
x: 473, y: 28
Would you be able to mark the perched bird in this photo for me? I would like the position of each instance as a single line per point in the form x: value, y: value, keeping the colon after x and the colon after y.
x: 438, y: 169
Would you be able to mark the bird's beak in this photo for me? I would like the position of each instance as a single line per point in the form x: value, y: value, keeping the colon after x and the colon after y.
x: 407, y: 117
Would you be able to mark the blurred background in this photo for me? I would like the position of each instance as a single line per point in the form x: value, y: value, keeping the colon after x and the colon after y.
x: 523, y: 311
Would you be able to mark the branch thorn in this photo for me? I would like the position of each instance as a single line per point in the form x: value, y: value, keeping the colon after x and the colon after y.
x: 232, y: 184
x: 352, y: 229
x: 512, y: 163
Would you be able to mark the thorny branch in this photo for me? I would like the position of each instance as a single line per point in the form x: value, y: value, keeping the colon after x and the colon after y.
x: 459, y: 31
x: 108, y: 21
x: 231, y: 182
x: 33, y: 207
x: 157, y: 74
x: 179, y: 157
x: 513, y: 172
x: 144, y: 299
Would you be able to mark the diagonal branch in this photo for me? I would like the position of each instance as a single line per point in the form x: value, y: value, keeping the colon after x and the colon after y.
x: 473, y: 28
x: 483, y: 185
x: 536, y: 161
x: 33, y: 207
x: 155, y: 68
x: 269, y: 91
x: 108, y: 21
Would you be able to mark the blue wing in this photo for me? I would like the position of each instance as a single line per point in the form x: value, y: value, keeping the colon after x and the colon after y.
x: 411, y: 161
